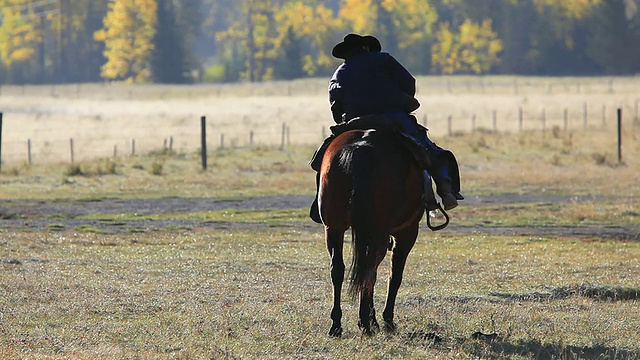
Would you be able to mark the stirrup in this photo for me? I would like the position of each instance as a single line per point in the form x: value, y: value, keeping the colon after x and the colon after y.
x: 441, y: 226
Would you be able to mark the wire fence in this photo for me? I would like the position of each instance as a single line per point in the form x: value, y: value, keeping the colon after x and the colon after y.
x: 58, y: 145
x: 52, y: 133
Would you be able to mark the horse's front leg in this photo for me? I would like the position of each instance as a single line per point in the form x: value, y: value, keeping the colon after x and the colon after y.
x: 334, y: 241
x: 403, y: 245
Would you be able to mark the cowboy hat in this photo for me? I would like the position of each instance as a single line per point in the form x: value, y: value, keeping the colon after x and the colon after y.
x: 353, y: 41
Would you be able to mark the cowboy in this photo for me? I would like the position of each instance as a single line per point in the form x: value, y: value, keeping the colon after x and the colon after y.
x: 373, y: 82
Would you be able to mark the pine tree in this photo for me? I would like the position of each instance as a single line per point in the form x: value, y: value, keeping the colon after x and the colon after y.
x: 169, y: 56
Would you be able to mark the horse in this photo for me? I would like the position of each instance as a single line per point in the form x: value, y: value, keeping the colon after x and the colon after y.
x: 370, y: 183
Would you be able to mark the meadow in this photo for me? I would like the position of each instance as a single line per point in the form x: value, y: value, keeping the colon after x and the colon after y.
x: 531, y: 270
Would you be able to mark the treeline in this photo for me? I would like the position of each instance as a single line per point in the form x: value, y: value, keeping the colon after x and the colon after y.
x: 182, y: 41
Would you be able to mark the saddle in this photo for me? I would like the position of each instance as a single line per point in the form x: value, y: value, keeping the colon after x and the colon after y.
x: 372, y: 122
x: 419, y: 154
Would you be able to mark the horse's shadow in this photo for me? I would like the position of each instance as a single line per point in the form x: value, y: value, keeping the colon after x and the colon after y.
x: 536, y: 350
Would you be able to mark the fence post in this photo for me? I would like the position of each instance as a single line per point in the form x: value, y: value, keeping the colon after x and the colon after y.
x: 283, y: 137
x: 544, y: 120
x: 29, y: 152
x: 251, y: 138
x: 604, y: 116
x: 473, y: 123
x: 619, y: 135
x: 566, y: 118
x: 133, y: 147
x: 203, y: 141
x: 520, y: 116
x: 71, y: 149
x: 584, y: 116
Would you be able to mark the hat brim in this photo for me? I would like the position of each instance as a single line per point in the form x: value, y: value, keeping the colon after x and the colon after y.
x: 341, y: 50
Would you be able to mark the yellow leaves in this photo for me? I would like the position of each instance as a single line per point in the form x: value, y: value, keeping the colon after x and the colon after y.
x: 129, y: 28
x: 20, y: 33
x: 474, y: 49
x: 360, y: 14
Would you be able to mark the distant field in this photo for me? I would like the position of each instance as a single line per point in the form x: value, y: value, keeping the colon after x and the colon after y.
x: 149, y: 256
x: 105, y: 120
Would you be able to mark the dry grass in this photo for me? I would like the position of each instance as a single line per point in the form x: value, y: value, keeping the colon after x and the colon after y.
x: 266, y: 294
x: 106, y: 118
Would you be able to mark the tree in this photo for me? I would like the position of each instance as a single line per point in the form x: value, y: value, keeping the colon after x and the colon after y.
x: 290, y: 64
x: 129, y: 28
x: 20, y: 36
x: 411, y: 33
x: 169, y: 63
x: 473, y: 49
x: 251, y: 39
x: 314, y: 28
x: 614, y: 38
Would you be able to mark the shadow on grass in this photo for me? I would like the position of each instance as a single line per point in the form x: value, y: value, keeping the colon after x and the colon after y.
x: 499, y: 348
x: 596, y: 292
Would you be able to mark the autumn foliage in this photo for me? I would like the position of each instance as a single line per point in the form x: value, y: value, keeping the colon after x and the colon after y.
x: 258, y: 40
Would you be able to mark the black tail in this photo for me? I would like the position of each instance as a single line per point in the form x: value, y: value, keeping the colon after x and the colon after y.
x: 367, y: 238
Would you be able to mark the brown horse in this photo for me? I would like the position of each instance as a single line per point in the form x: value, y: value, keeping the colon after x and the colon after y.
x: 369, y: 182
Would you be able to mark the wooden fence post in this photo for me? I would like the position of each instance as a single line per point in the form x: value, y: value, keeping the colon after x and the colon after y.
x: 29, y: 152
x: 203, y: 141
x: 619, y: 135
x: 566, y: 118
x: 283, y: 136
x: 584, y: 116
x: 520, y: 118
x: 71, y: 149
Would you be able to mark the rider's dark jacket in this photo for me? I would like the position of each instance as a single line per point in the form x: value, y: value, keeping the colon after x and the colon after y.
x: 371, y: 83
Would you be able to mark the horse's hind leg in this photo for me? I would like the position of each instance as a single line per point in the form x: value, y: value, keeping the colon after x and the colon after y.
x: 334, y: 241
x: 404, y: 243
x: 368, y: 322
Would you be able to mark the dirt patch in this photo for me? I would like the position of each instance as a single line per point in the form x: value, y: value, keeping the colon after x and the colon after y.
x: 60, y: 215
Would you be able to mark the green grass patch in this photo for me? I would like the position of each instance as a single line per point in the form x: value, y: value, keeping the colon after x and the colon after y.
x: 273, y: 217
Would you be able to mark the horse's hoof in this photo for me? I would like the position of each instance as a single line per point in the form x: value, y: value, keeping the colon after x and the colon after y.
x: 375, y: 327
x: 390, y: 326
x: 367, y: 332
x: 336, y: 331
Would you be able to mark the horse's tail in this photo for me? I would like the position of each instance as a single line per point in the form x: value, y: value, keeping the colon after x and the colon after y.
x: 367, y: 239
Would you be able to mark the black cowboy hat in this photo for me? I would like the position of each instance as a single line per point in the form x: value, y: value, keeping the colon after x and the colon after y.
x: 353, y: 41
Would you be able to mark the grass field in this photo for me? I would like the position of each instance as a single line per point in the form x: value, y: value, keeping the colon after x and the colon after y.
x: 263, y: 291
x: 104, y: 119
